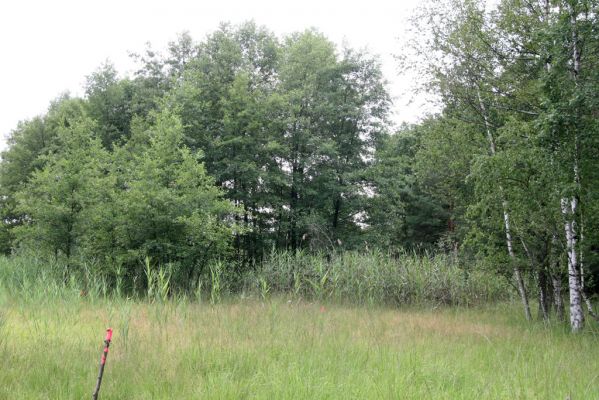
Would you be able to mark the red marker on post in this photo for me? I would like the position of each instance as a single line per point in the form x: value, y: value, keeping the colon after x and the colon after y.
x: 102, y: 362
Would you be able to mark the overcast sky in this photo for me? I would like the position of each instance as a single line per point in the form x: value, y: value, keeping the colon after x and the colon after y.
x: 48, y: 47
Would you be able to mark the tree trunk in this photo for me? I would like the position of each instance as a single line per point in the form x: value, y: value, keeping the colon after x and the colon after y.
x: 541, y: 280
x: 506, y: 218
x: 576, y: 312
x: 558, y: 301
x: 543, y: 294
x: 569, y: 206
x: 336, y: 211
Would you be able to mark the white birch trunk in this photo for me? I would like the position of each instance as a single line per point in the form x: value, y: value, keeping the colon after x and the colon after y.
x: 506, y: 218
x: 576, y: 312
x: 569, y: 208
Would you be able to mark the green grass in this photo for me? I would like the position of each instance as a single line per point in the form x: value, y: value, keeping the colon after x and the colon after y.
x: 280, y: 349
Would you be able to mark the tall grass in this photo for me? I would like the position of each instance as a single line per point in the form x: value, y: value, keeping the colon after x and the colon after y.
x: 359, y: 278
x: 33, y: 279
x: 378, y: 278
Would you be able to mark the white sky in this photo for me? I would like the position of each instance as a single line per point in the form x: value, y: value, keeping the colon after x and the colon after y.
x: 49, y: 46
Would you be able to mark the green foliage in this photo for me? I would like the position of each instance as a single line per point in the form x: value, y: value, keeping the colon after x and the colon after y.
x: 58, y: 200
x: 29, y: 144
x: 521, y: 77
x: 285, y: 129
x: 110, y: 102
x: 154, y: 200
x: 168, y: 207
x: 415, y: 203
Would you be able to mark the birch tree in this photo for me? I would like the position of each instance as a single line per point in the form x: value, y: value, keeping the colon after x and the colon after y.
x: 464, y: 70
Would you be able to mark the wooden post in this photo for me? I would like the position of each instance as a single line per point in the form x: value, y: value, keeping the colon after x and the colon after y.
x: 102, y: 363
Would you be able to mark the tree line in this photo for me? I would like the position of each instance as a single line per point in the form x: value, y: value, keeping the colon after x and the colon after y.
x: 247, y: 143
x: 221, y: 149
x: 518, y: 84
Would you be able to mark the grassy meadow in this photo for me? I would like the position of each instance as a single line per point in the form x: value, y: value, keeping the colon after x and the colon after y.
x: 356, y: 326
x: 289, y: 349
